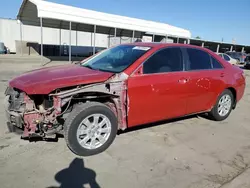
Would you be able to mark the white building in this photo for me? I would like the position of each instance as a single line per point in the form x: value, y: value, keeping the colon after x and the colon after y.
x: 45, y: 23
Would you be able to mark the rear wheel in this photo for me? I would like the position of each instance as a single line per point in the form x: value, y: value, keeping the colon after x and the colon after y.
x: 90, y: 128
x: 223, y: 106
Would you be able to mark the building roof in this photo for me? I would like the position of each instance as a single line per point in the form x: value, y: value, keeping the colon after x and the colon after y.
x: 57, y: 15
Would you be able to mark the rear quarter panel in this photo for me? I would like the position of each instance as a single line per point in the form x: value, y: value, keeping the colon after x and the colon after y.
x: 233, y: 78
x: 238, y: 82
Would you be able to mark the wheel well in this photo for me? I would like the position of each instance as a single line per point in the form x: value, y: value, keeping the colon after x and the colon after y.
x: 234, y: 94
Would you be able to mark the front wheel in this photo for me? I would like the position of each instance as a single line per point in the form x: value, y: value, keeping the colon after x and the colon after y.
x: 90, y: 128
x: 223, y: 106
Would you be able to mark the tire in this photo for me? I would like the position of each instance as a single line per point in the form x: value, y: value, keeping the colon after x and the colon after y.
x: 214, y: 113
x: 74, y: 125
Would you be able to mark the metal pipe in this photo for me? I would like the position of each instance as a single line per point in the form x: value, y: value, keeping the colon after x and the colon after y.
x: 77, y: 38
x: 115, y: 33
x: 218, y: 48
x: 133, y: 36
x: 69, y: 42
x: 41, y: 25
x: 231, y: 49
x: 60, y: 41
x: 121, y: 36
x: 177, y: 40
x: 153, y: 39
x: 202, y: 45
x: 21, y: 37
x: 166, y: 39
x: 243, y: 49
x: 94, y: 39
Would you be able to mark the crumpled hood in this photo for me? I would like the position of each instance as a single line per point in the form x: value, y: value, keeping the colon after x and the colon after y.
x: 45, y: 80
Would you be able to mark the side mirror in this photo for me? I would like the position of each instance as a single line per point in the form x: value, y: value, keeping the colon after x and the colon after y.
x: 138, y: 71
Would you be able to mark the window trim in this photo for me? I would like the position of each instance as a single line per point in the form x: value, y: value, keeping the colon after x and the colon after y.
x: 164, y: 48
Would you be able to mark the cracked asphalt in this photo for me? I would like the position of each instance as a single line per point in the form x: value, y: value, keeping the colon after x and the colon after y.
x: 190, y: 152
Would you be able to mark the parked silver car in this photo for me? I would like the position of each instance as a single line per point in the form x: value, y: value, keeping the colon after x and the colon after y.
x: 229, y: 59
x: 238, y: 55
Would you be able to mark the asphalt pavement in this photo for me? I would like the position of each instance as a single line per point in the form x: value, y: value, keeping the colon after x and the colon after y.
x: 191, y: 152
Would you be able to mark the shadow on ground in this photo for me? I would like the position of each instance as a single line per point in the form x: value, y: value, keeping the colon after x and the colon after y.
x: 139, y: 127
x: 76, y: 176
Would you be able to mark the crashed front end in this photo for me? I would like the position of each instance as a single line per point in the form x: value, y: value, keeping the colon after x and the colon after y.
x: 35, y: 115
x: 44, y: 115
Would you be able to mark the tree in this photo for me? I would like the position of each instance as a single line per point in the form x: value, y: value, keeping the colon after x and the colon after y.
x: 198, y: 37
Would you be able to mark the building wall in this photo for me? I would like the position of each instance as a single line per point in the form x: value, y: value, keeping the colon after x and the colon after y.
x: 10, y: 32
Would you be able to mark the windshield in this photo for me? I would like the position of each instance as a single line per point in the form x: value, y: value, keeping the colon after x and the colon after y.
x: 116, y: 59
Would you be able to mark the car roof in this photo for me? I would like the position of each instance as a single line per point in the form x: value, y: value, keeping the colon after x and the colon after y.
x: 160, y: 45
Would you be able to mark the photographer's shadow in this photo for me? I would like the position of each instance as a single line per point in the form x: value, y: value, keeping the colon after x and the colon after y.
x: 76, y: 176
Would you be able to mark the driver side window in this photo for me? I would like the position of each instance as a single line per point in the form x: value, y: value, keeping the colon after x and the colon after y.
x: 165, y: 60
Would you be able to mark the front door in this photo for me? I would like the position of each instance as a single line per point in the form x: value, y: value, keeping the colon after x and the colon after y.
x: 160, y: 91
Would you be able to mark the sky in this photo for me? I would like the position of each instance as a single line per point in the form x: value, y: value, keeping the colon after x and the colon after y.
x: 216, y: 20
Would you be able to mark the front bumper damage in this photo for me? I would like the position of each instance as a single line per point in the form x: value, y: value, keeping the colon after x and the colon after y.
x: 14, y: 119
x: 44, y: 115
x: 23, y: 115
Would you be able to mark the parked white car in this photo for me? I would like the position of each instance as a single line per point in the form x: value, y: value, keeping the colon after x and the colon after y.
x: 229, y: 58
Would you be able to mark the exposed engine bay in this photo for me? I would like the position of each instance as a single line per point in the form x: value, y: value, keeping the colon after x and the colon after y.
x: 44, y: 115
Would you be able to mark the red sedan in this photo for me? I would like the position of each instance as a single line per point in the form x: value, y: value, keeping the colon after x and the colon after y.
x: 121, y: 87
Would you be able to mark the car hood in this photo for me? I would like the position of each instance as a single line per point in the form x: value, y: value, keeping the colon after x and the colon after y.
x: 45, y: 80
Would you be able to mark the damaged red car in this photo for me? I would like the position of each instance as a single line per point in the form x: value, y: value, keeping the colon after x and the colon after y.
x: 121, y: 87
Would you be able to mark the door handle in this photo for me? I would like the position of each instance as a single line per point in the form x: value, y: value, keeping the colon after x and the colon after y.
x: 222, y: 74
x: 183, y: 80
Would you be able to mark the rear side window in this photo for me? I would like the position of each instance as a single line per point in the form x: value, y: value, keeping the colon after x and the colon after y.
x: 215, y: 63
x: 198, y: 59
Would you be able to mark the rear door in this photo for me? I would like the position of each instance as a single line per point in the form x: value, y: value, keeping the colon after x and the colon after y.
x: 206, y: 79
x: 160, y: 91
